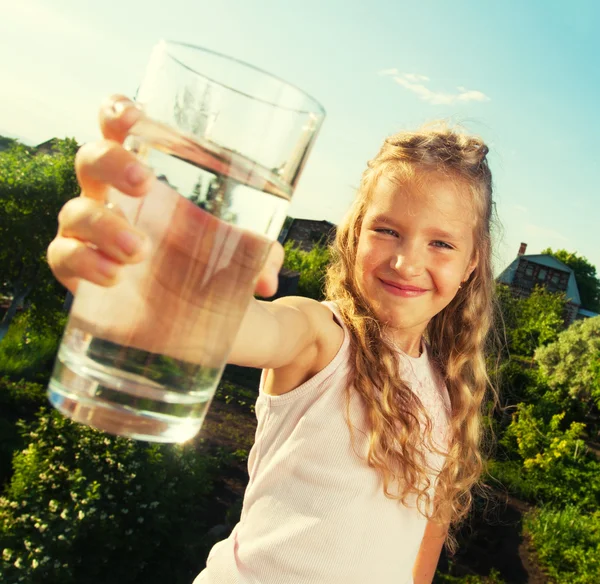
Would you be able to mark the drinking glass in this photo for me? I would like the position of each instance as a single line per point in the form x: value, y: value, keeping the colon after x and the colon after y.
x: 227, y: 143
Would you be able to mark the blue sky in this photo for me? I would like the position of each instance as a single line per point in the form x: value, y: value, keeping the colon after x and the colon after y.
x: 524, y: 75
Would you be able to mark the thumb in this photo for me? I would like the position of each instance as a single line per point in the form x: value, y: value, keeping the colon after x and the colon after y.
x: 266, y: 286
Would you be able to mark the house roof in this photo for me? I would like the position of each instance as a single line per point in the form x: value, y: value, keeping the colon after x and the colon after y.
x: 587, y: 313
x: 507, y: 276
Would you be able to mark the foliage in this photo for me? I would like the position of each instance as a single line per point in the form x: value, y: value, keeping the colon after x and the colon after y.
x: 585, y: 276
x: 567, y: 543
x: 230, y: 393
x: 516, y: 381
x: 311, y: 265
x: 555, y: 464
x: 33, y: 188
x: 572, y: 360
x: 29, y: 348
x: 86, y: 507
x: 18, y: 401
x: 531, y: 322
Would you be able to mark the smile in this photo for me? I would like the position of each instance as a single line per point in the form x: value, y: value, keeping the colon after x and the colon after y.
x: 402, y: 290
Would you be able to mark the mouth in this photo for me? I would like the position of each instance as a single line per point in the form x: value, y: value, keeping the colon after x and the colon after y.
x: 403, y: 290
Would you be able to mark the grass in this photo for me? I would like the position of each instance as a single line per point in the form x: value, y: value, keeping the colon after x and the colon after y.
x: 567, y: 543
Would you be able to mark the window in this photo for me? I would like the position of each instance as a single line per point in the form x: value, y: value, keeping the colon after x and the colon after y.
x: 542, y: 274
x: 529, y: 270
x: 555, y: 279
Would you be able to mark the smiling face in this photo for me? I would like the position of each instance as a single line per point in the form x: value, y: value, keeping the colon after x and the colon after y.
x: 416, y: 247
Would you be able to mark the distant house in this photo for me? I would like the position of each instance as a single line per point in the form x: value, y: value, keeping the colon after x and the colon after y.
x: 527, y: 271
x: 307, y: 233
x: 6, y: 143
x: 47, y: 147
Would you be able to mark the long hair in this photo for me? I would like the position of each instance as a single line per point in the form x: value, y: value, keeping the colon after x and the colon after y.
x: 456, y: 336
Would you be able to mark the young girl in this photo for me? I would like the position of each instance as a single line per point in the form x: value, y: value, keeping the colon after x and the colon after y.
x: 369, y: 411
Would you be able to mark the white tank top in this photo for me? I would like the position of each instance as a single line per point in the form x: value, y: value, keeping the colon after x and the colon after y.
x: 314, y: 512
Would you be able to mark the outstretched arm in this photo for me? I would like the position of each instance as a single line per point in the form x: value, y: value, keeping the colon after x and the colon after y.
x: 429, y: 553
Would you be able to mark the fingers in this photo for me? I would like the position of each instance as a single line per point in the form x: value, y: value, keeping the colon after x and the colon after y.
x: 117, y: 115
x: 93, y: 243
x: 268, y: 280
x: 106, y: 229
x: 72, y: 260
x: 100, y: 165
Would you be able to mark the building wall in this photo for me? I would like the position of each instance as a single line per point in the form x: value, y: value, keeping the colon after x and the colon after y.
x: 529, y: 274
x: 571, y: 311
x: 308, y: 232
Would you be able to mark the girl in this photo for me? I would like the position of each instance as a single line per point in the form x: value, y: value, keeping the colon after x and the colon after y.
x: 369, y: 411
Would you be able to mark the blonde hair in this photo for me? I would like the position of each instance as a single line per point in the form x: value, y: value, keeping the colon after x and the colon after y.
x: 456, y: 336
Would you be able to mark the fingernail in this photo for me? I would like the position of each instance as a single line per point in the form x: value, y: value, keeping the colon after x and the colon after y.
x: 108, y: 268
x: 136, y: 174
x: 129, y: 242
x: 127, y: 112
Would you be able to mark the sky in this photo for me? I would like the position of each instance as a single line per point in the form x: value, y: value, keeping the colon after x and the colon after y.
x: 523, y: 75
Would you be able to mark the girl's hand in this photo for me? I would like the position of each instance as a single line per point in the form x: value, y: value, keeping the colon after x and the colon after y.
x: 94, y: 241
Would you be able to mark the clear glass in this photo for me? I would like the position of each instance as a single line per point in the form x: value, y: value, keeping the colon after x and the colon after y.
x: 228, y: 143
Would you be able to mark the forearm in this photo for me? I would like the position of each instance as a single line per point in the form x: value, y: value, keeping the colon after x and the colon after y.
x: 272, y: 334
x: 429, y: 553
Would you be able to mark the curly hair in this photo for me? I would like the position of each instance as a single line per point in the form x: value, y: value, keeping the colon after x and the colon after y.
x: 457, y: 336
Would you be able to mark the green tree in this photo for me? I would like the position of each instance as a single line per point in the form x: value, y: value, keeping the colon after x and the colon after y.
x: 531, y: 322
x: 33, y: 188
x: 572, y: 360
x: 585, y: 276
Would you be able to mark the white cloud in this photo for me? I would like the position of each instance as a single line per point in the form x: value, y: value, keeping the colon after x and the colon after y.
x: 415, y: 83
x: 415, y: 77
x: 472, y: 95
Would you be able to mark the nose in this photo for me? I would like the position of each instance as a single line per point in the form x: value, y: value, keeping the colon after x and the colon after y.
x: 408, y: 262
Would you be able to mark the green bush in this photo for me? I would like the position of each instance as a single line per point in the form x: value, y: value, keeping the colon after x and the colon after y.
x: 86, y: 507
x: 311, y: 265
x: 572, y: 361
x: 517, y: 381
x: 509, y: 475
x: 567, y: 542
x: 28, y: 350
x: 555, y: 465
x: 533, y: 321
x: 18, y: 401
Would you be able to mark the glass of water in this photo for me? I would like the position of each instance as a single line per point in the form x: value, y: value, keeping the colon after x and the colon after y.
x: 227, y: 143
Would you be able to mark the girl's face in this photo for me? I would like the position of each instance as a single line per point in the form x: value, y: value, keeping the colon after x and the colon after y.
x: 414, y: 250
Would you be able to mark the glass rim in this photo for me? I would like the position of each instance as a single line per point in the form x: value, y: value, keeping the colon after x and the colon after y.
x: 318, y: 109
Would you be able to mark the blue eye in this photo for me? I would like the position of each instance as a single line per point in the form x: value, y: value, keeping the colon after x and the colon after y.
x: 442, y: 244
x: 387, y: 232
